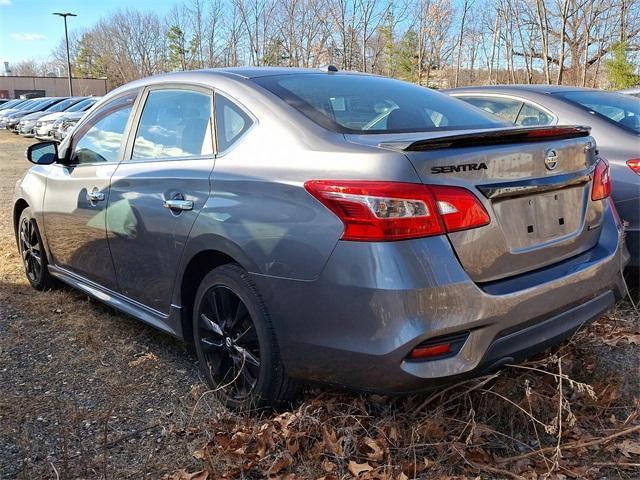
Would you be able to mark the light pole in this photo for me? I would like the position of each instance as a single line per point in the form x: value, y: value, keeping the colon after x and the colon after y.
x: 66, y: 37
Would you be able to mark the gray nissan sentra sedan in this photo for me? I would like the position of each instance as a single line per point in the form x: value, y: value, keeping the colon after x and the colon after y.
x: 314, y: 225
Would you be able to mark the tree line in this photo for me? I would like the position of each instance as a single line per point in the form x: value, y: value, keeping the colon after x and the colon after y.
x: 438, y: 43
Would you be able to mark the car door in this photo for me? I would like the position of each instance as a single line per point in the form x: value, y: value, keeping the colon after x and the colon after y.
x: 158, y: 191
x: 77, y: 193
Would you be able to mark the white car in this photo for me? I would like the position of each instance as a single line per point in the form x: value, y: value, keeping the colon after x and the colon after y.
x: 635, y: 91
x: 43, y: 126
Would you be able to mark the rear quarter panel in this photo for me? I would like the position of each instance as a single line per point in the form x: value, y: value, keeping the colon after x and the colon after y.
x: 259, y: 211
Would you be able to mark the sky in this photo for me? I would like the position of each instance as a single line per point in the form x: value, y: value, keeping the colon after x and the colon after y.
x: 29, y: 30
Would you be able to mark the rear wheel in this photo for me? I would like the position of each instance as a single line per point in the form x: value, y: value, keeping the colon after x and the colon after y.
x: 235, y: 342
x: 32, y: 252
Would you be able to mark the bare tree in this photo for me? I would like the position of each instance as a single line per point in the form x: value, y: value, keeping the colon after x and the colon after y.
x: 465, y: 10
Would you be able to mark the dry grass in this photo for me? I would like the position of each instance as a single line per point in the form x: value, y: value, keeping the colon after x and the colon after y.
x: 87, y: 393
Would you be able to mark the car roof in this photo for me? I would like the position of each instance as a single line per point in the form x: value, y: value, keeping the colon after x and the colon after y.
x: 548, y: 89
x: 255, y: 72
x: 249, y: 72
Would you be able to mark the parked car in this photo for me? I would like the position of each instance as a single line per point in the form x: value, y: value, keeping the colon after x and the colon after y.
x: 270, y: 218
x: 26, y: 126
x: 45, y: 125
x: 24, y: 105
x: 40, y: 105
x: 11, y: 104
x: 631, y: 91
x: 615, y: 122
x: 65, y: 123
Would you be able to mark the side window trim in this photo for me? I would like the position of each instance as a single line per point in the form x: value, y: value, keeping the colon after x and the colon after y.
x: 137, y: 116
x: 247, y: 112
x: 87, y: 121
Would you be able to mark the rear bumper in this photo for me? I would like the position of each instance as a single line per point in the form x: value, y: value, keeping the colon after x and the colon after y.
x: 516, y: 346
x: 374, y: 302
x: 632, y: 238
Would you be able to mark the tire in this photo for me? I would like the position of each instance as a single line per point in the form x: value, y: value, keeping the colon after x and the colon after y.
x: 33, y: 253
x: 235, y: 342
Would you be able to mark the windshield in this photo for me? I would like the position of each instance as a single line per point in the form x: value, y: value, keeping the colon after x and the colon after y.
x: 624, y: 110
x: 63, y: 105
x: 82, y: 106
x: 11, y: 104
x: 36, y: 104
x: 369, y: 104
x: 28, y: 104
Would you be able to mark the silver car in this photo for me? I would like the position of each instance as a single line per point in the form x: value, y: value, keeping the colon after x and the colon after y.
x: 615, y: 123
x: 311, y: 225
x: 48, y: 124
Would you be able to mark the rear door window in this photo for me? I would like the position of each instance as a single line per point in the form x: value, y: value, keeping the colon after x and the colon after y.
x: 175, y: 123
x: 532, y: 116
x: 503, y: 108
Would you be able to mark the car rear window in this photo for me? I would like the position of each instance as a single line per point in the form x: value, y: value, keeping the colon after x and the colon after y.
x: 369, y: 104
x: 615, y: 107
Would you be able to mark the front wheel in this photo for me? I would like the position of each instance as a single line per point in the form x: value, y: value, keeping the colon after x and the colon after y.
x: 235, y: 342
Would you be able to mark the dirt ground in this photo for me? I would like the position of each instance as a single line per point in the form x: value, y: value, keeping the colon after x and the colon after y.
x: 86, y: 392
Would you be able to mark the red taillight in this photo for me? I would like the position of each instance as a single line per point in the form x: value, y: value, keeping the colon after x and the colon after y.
x: 383, y: 211
x: 459, y: 208
x: 634, y: 164
x: 601, y: 181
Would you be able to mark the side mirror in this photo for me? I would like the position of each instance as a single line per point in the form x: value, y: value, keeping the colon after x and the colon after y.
x: 43, y: 153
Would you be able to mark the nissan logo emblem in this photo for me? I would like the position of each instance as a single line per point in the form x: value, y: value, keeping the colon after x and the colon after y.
x: 551, y: 159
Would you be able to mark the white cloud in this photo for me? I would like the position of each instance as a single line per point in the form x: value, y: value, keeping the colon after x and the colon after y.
x: 27, y: 37
x: 5, y: 3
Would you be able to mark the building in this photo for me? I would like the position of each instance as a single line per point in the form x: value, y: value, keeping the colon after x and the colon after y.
x: 14, y: 86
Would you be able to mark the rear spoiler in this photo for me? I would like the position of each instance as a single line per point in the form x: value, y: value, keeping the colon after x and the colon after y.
x: 491, y: 137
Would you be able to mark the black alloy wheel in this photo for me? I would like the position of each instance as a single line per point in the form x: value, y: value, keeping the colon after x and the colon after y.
x: 229, y: 342
x: 235, y: 342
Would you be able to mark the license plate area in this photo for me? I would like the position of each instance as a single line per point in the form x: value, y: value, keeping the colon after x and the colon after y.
x: 538, y: 219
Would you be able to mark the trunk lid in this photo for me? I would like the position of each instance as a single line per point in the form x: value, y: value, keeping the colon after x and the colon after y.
x: 534, y: 182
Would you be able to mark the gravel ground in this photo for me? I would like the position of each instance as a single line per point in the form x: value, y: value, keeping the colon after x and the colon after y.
x: 84, y: 391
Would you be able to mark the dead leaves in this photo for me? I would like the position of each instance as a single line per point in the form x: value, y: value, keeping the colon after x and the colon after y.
x: 629, y: 447
x: 146, y: 360
x: 357, y: 468
x: 492, y: 430
x: 184, y: 475
x: 376, y: 453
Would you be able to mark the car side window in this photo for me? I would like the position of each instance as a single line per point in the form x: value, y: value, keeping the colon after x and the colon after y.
x: 504, y: 108
x: 231, y: 122
x: 531, y: 116
x: 175, y: 123
x: 100, y: 138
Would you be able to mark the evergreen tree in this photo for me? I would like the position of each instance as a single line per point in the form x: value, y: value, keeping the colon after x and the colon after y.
x: 621, y: 71
x: 88, y: 63
x: 177, y: 48
x: 406, y: 57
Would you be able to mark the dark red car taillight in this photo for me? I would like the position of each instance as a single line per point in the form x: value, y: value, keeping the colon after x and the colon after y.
x: 601, y: 181
x: 634, y: 164
x: 384, y: 211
